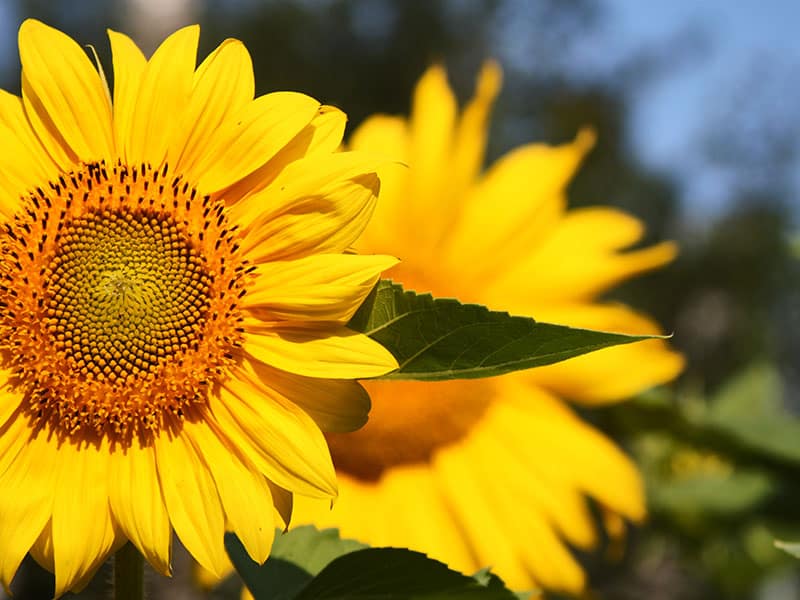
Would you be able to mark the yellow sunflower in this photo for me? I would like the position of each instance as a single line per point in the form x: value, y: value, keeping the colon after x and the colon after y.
x: 174, y: 290
x: 496, y: 471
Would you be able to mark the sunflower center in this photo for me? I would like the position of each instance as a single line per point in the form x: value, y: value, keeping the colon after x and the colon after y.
x: 409, y: 422
x: 125, y: 292
x: 119, y: 290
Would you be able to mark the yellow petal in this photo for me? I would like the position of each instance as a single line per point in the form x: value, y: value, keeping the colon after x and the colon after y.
x: 559, y: 505
x: 471, y: 132
x: 431, y: 126
x: 251, y: 137
x: 335, y: 404
x: 422, y: 517
x: 320, y: 287
x: 129, y: 64
x: 14, y: 434
x: 164, y: 90
x: 84, y: 534
x: 192, y: 501
x: 283, y: 501
x: 611, y: 374
x: 65, y: 91
x: 477, y: 518
x: 243, y: 491
x: 318, y: 204
x: 538, y: 424
x: 223, y: 85
x: 24, y: 163
x: 580, y: 259
x: 42, y: 549
x: 332, y: 352
x: 137, y: 504
x: 530, y: 183
x: 388, y: 136
x: 322, y: 135
x: 25, y: 512
x: 276, y: 436
x: 535, y: 542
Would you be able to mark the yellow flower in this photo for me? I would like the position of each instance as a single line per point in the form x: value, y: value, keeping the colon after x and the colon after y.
x: 496, y: 471
x: 174, y: 290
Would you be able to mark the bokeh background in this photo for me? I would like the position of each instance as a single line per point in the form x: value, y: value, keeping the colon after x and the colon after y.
x: 695, y: 104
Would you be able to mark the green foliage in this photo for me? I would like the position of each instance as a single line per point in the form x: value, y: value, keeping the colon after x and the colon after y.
x: 722, y: 473
x: 434, y: 338
x: 307, y: 564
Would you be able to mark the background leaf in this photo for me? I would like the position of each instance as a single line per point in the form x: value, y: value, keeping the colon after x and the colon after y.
x: 296, y: 557
x: 307, y: 563
x: 440, y: 338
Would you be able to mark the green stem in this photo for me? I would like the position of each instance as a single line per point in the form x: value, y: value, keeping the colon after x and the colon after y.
x: 128, y: 574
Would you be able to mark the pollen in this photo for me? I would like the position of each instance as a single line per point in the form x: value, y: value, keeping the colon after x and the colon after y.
x: 120, y: 291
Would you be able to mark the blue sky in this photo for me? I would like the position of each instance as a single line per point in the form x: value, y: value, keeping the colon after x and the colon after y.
x: 749, y: 56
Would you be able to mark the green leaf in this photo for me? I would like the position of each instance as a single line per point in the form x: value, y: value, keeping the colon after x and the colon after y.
x: 792, y: 548
x: 295, y: 558
x: 750, y: 408
x: 311, y: 548
x: 721, y: 494
x: 398, y: 574
x: 348, y: 569
x: 434, y: 338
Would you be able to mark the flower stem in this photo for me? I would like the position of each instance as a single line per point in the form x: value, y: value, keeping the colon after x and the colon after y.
x: 128, y: 574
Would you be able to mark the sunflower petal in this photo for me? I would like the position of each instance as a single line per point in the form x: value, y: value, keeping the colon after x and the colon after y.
x: 129, y: 64
x: 137, y: 504
x: 531, y: 181
x: 283, y: 501
x: 332, y: 352
x: 389, y: 136
x: 322, y: 135
x: 223, y: 85
x: 319, y: 204
x: 65, y: 91
x: 585, y: 246
x: 476, y: 516
x: 24, y: 163
x: 471, y: 132
x: 25, y: 513
x: 529, y: 534
x: 254, y: 135
x: 192, y: 501
x: 164, y: 91
x: 84, y: 534
x: 552, y: 429
x: 276, y: 436
x: 321, y: 287
x: 244, y: 493
x: 338, y: 405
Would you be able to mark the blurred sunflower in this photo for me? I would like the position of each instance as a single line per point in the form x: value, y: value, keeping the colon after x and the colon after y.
x: 496, y: 471
x: 174, y: 292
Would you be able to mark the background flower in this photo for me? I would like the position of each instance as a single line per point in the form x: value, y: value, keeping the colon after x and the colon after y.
x: 493, y: 472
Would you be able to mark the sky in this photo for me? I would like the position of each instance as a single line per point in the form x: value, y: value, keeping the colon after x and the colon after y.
x: 742, y: 71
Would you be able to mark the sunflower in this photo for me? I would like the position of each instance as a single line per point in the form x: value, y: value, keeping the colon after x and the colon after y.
x: 496, y: 471
x: 173, y: 291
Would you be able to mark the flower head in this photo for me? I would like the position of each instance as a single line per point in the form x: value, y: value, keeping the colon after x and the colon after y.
x: 173, y: 292
x: 496, y: 471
